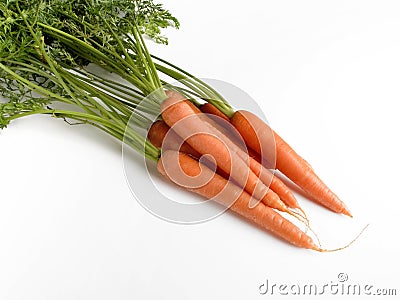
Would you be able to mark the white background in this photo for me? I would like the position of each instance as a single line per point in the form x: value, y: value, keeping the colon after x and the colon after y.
x: 327, y: 76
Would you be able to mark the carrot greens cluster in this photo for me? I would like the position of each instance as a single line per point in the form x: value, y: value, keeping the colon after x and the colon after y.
x: 45, y: 47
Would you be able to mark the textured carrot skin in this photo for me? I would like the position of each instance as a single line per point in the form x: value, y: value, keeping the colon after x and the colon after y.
x: 208, y: 108
x: 158, y: 131
x: 284, y: 193
x: 222, y: 123
x: 185, y: 121
x: 207, y: 140
x: 261, y: 215
x: 287, y: 161
x: 156, y: 135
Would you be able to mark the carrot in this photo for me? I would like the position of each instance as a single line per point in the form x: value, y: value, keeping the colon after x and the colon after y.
x: 253, y: 131
x: 264, y: 174
x: 185, y: 120
x: 223, y: 191
x: 275, y: 183
x: 208, y: 108
x: 222, y: 123
x: 304, y: 176
x: 157, y: 133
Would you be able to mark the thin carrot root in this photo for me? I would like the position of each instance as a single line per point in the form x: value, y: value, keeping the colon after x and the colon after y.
x: 302, y: 212
x: 299, y: 216
x: 302, y: 217
x: 309, y: 228
x: 319, y: 249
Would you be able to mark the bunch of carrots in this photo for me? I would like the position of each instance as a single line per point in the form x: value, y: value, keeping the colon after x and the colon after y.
x: 262, y: 193
x: 60, y: 40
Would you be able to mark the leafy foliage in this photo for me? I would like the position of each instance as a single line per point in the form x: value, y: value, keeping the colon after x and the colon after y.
x: 44, y: 45
x: 152, y: 18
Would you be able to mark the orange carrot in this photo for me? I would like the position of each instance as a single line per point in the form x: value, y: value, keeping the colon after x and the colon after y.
x: 253, y: 130
x: 158, y: 131
x: 156, y: 136
x: 259, y: 136
x: 275, y: 183
x: 222, y: 123
x: 261, y: 215
x: 208, y: 108
x: 259, y: 170
x: 264, y: 174
x: 204, y: 139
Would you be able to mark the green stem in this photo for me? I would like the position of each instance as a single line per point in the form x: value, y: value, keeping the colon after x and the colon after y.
x: 35, y: 87
x: 121, y: 131
x: 211, y: 95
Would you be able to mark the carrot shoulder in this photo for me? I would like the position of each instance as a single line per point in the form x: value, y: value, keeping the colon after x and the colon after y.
x: 208, y: 108
x: 223, y: 191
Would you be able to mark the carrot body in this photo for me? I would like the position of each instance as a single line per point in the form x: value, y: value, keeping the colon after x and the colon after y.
x: 208, y: 108
x: 156, y: 136
x: 253, y: 130
x: 261, y: 215
x: 222, y: 123
x: 205, y: 140
x: 264, y: 174
x: 275, y: 183
x: 232, y: 138
x: 158, y: 132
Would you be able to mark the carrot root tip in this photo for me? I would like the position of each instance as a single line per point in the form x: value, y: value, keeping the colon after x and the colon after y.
x: 319, y: 249
x: 346, y: 212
